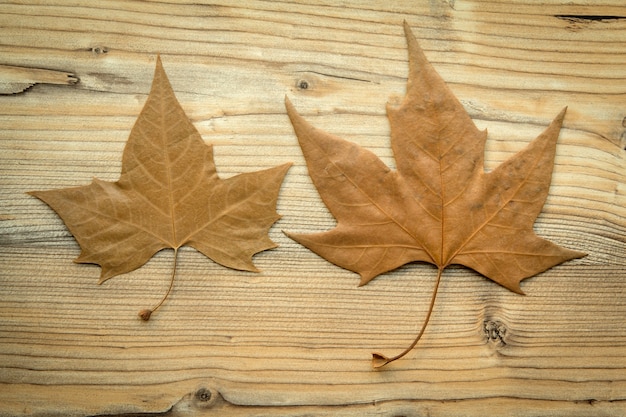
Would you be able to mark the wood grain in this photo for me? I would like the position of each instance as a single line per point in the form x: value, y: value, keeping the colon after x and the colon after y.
x: 296, y: 339
x: 17, y: 79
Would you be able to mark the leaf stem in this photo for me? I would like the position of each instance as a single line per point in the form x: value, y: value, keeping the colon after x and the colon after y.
x: 379, y: 360
x: 145, y: 314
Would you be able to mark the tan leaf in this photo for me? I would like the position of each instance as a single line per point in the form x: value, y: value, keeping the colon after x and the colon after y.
x: 169, y: 195
x: 439, y: 206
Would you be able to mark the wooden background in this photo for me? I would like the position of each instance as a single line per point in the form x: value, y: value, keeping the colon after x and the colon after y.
x: 296, y: 339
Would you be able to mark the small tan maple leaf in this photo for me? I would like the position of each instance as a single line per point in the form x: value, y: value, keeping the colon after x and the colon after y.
x: 169, y: 195
x: 439, y: 206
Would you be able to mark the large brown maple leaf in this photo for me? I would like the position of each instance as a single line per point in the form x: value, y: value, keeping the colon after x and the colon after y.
x: 439, y: 206
x: 169, y: 195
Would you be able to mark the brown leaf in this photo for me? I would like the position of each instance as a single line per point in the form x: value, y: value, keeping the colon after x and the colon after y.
x: 439, y: 206
x: 169, y: 195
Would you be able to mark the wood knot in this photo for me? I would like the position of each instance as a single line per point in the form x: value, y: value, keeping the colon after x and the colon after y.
x: 495, y: 331
x: 302, y: 85
x: 205, y: 398
x: 99, y: 50
x: 203, y: 395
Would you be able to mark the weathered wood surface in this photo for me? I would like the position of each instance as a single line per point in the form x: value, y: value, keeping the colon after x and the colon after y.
x: 296, y: 339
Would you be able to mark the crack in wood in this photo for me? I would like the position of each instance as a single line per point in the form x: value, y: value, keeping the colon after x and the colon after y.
x: 14, y: 80
x: 588, y: 17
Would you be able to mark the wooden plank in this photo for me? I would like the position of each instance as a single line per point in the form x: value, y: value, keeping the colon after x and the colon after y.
x: 17, y: 79
x: 296, y: 339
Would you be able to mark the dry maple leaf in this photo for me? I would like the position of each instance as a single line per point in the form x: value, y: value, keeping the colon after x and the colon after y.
x: 169, y: 195
x: 439, y: 206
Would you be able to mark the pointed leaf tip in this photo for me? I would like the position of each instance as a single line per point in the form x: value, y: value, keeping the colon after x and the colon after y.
x: 412, y: 43
x: 159, y: 64
x: 366, y: 277
x: 407, y: 28
x: 291, y: 110
x: 561, y: 115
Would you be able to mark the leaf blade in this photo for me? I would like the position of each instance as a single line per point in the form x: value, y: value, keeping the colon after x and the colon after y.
x: 169, y: 195
x: 440, y: 181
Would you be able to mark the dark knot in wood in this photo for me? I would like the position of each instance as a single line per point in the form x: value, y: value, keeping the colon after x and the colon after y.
x: 495, y: 331
x: 203, y: 395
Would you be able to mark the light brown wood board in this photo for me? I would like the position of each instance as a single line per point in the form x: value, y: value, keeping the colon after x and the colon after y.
x: 296, y: 339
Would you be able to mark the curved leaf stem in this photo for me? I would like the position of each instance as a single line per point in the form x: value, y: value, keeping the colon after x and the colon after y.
x: 379, y: 360
x: 145, y: 314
